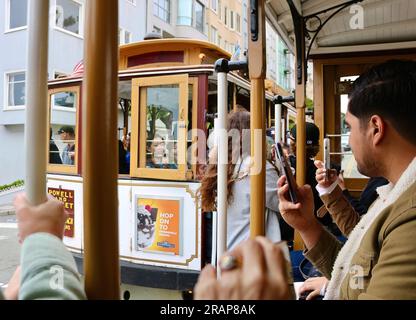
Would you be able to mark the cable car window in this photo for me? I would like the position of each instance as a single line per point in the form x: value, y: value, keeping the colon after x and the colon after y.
x: 62, y: 133
x: 348, y: 164
x: 243, y: 97
x: 124, y: 126
x: 162, y: 108
x: 159, y: 125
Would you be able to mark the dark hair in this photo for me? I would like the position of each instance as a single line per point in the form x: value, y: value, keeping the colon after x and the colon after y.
x: 311, y: 150
x: 239, y: 120
x: 388, y: 90
x: 67, y: 129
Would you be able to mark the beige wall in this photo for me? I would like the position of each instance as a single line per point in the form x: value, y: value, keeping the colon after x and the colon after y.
x: 224, y: 32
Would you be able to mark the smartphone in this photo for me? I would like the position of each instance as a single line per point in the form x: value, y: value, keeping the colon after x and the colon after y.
x: 287, y: 170
x: 327, y: 157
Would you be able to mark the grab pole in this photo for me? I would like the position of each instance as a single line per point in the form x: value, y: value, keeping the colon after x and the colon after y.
x: 36, y: 102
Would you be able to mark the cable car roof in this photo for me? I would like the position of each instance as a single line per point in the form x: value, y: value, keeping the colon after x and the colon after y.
x: 388, y: 24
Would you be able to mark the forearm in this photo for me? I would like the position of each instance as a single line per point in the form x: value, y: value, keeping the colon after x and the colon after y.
x: 48, y: 270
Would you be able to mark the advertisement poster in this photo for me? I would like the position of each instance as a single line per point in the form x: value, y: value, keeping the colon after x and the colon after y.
x: 157, y: 224
x: 67, y: 197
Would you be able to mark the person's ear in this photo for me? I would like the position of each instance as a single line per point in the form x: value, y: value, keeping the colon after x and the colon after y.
x: 377, y: 129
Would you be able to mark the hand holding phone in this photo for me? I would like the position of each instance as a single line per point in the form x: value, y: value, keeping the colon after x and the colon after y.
x: 287, y: 170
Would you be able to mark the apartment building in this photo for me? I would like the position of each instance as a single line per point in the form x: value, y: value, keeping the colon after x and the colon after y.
x: 66, y: 43
x: 280, y: 61
x: 225, y: 23
x: 177, y: 18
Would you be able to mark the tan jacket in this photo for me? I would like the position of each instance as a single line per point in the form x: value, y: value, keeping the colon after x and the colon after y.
x: 342, y: 212
x: 387, y: 253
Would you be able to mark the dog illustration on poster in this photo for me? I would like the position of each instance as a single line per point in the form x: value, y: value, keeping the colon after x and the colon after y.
x: 146, y: 219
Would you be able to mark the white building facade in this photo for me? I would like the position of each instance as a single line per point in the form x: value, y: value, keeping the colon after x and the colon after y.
x: 66, y: 45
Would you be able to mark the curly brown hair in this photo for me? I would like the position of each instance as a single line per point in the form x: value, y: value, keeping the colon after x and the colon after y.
x: 237, y: 120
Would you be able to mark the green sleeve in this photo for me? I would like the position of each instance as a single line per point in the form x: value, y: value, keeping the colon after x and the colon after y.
x: 48, y: 270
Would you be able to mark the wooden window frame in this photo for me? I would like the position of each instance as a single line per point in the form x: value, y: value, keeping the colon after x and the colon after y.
x: 62, y: 168
x: 194, y: 151
x: 139, y: 134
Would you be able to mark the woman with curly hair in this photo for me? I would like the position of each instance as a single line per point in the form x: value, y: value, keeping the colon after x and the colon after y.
x: 238, y: 197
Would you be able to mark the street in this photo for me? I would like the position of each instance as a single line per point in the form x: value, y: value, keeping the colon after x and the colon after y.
x: 9, y: 248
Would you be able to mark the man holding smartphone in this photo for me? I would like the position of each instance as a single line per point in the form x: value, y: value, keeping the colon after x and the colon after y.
x: 378, y: 261
x: 312, y: 149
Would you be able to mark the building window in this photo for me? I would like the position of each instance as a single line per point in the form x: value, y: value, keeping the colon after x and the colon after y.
x: 69, y: 16
x: 191, y: 13
x: 185, y: 13
x: 232, y: 19
x: 133, y: 2
x: 226, y: 16
x: 214, y: 35
x: 127, y: 36
x: 219, y: 41
x: 63, y: 130
x: 219, y: 10
x: 161, y: 9
x: 15, y: 89
x: 238, y: 23
x: 214, y: 5
x: 17, y: 14
x: 199, y: 16
x: 124, y: 36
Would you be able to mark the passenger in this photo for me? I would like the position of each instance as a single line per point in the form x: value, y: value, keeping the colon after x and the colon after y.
x: 158, y: 155
x: 238, y: 211
x: 312, y: 149
x: 54, y: 157
x: 41, y: 230
x: 344, y: 215
x: 378, y: 261
x: 68, y: 136
x: 269, y: 149
x: 286, y: 150
x: 367, y: 197
x: 127, y: 141
x: 345, y: 212
x: 123, y: 168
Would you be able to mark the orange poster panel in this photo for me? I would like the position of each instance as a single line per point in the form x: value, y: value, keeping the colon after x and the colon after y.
x: 67, y: 197
x: 158, y: 224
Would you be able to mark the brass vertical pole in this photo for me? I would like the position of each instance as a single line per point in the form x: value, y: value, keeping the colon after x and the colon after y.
x: 100, y: 161
x: 300, y: 98
x: 301, y: 67
x: 300, y: 136
x: 257, y: 69
x: 258, y: 169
